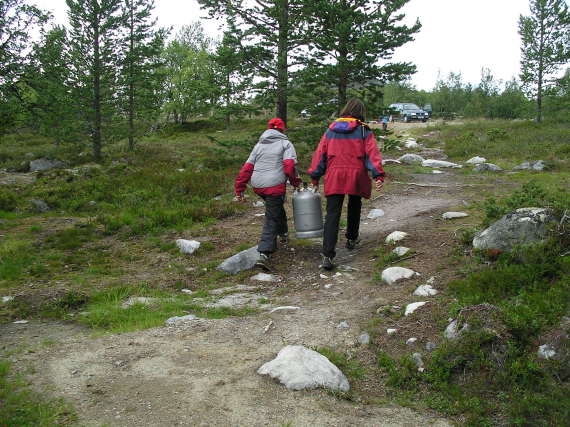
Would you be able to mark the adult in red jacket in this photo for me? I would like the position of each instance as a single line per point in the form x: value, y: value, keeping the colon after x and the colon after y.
x: 271, y: 162
x: 346, y: 153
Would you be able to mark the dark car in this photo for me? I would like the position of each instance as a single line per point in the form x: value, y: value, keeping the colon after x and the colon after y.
x: 429, y: 109
x: 407, y: 112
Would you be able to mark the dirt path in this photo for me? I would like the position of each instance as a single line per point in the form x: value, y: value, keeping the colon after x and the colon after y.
x: 203, y: 373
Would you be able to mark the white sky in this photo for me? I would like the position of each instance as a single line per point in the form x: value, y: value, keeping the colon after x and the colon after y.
x: 456, y: 35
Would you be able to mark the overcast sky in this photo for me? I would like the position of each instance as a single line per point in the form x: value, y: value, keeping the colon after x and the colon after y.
x: 457, y: 35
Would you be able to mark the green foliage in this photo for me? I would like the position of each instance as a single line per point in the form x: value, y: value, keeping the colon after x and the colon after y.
x: 23, y: 407
x: 348, y: 366
x: 8, y: 200
x: 495, y: 134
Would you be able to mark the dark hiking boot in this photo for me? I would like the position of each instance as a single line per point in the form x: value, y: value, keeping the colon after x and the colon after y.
x: 284, y: 238
x: 328, y: 263
x: 351, y: 244
x: 264, y: 263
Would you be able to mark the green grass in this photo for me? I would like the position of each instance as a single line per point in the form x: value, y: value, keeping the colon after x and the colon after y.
x: 22, y: 407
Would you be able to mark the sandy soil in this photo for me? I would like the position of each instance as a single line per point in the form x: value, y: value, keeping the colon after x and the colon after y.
x: 203, y: 373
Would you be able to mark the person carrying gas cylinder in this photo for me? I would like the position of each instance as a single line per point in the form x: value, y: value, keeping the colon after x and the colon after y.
x: 346, y: 152
x: 272, y: 161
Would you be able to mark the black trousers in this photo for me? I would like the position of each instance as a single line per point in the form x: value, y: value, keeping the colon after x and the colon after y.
x: 275, y: 224
x: 332, y: 221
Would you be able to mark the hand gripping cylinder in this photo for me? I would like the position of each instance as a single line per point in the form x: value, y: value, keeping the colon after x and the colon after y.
x: 308, y: 214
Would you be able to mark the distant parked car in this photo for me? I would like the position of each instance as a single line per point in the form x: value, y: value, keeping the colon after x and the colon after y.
x: 305, y: 113
x: 407, y: 112
x: 429, y: 109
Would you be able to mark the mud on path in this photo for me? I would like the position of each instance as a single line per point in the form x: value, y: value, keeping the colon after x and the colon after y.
x: 203, y: 373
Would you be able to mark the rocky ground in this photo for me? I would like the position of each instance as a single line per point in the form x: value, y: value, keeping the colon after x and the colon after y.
x: 203, y: 372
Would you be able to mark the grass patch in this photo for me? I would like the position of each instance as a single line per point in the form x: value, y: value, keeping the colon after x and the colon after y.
x: 22, y: 407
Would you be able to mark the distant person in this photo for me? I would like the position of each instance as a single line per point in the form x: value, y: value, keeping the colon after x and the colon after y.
x: 384, y: 123
x: 272, y: 161
x: 346, y: 153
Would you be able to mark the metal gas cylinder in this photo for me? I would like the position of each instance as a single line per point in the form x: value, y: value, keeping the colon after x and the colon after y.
x: 308, y: 214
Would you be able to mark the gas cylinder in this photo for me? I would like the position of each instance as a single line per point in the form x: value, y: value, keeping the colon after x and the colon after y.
x: 308, y: 214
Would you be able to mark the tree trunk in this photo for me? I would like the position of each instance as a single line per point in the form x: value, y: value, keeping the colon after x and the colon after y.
x: 282, y: 66
x: 228, y: 122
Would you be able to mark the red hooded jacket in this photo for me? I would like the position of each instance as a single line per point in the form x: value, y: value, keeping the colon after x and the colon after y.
x: 346, y: 153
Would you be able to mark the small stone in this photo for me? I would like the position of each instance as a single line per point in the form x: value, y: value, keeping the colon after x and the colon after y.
x: 187, y: 246
x: 396, y: 236
x: 175, y: 320
x: 20, y: 322
x: 430, y: 346
x: 487, y: 167
x: 7, y: 299
x: 364, y: 338
x: 342, y: 325
x: 286, y: 307
x: 417, y: 359
x: 376, y: 213
x: 475, y: 160
x: 187, y: 291
x: 258, y: 204
x: 264, y: 277
x: 391, y: 331
x: 454, y: 215
x: 392, y: 275
x: 425, y: 291
x: 546, y: 351
x: 410, y: 308
x: 411, y: 341
x: 400, y: 250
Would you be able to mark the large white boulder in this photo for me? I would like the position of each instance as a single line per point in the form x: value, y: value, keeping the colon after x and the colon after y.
x: 394, y: 274
x: 475, y: 160
x: 299, y: 368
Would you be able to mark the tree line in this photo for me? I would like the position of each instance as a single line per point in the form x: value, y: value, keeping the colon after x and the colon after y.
x: 112, y: 74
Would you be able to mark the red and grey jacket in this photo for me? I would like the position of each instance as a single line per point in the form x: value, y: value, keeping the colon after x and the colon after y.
x: 346, y: 153
x: 271, y: 162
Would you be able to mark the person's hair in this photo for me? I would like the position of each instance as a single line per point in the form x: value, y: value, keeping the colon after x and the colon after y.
x: 354, y: 108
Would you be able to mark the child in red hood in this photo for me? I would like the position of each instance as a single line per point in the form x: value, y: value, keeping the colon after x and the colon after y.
x: 346, y: 153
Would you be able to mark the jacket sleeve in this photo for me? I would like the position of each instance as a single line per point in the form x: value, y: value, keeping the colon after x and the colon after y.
x: 319, y: 163
x: 289, y: 163
x: 373, y: 160
x: 243, y: 178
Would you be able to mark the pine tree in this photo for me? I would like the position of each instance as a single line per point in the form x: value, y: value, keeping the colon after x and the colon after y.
x: 94, y: 42
x: 141, y: 64
x: 545, y: 38
x: 349, y: 38
x: 269, y: 34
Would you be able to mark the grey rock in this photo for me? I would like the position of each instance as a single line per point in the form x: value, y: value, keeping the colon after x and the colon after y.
x: 539, y: 165
x: 401, y: 250
x: 396, y: 236
x: 410, y: 159
x: 39, y: 206
x: 452, y: 332
x: 522, y: 226
x: 299, y: 368
x: 258, y: 204
x: 475, y: 160
x: 410, y: 308
x: 425, y: 291
x: 175, y: 320
x: 30, y: 155
x: 242, y: 261
x: 411, y: 341
x: 417, y: 359
x: 45, y: 164
x: 376, y: 213
x: 430, y: 346
x: 364, y: 338
x: 487, y: 167
x: 391, y: 162
x: 342, y: 325
x: 440, y: 164
x: 284, y: 308
x: 264, y: 277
